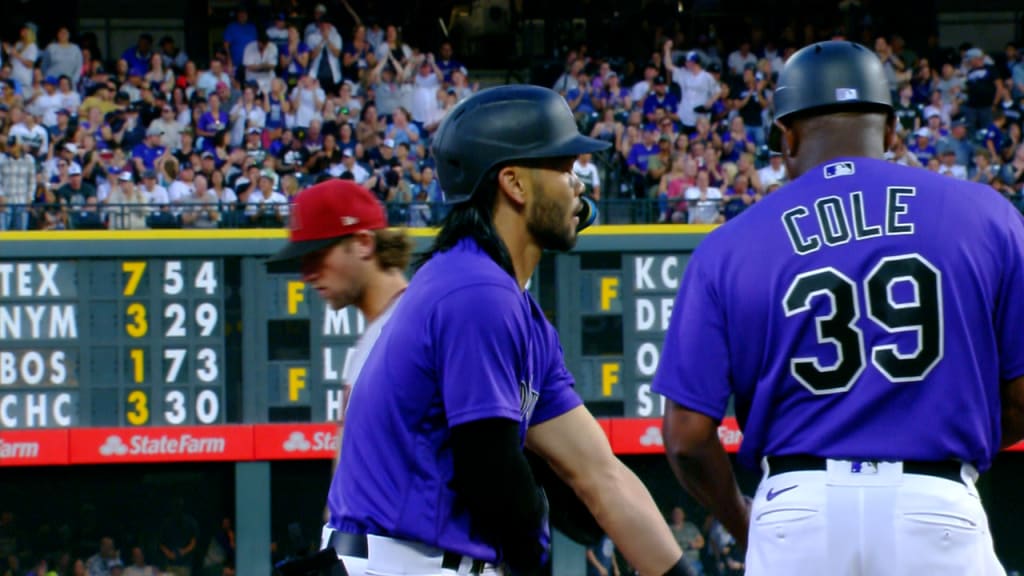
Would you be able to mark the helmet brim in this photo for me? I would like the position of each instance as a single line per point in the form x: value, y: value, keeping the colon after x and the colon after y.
x: 575, y: 146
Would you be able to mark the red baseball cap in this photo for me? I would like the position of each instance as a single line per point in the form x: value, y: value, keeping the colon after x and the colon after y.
x: 326, y: 212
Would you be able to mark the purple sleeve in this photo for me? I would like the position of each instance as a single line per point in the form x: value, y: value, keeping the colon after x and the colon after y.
x: 557, y: 394
x: 694, y: 366
x: 1009, y: 316
x: 479, y: 341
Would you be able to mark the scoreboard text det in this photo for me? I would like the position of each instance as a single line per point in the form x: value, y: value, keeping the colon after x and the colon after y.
x: 620, y: 319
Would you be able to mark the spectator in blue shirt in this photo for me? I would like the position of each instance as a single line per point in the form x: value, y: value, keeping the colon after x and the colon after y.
x: 922, y: 147
x: 138, y: 56
x: 660, y: 98
x: 581, y: 97
x: 994, y: 135
x: 237, y: 36
x: 144, y: 155
x: 445, y: 62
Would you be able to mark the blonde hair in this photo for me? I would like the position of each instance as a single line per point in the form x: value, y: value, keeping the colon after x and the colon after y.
x: 394, y: 248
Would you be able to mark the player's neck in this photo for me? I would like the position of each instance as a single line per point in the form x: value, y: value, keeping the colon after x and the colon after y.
x: 522, y: 248
x: 381, y: 289
x: 816, y: 152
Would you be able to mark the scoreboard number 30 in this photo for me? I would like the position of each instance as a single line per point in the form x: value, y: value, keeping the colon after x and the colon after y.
x: 206, y: 407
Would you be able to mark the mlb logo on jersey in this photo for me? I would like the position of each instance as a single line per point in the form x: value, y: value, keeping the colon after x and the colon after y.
x: 836, y: 169
x: 844, y: 94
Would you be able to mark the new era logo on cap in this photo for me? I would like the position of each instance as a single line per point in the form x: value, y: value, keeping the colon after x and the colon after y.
x: 326, y: 212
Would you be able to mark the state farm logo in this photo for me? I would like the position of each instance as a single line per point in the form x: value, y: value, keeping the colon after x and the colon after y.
x: 297, y: 443
x: 144, y: 445
x: 113, y: 447
x: 322, y: 441
x: 19, y: 450
x: 651, y: 437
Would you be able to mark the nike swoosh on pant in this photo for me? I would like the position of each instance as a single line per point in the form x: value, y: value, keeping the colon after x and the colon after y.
x: 772, y: 493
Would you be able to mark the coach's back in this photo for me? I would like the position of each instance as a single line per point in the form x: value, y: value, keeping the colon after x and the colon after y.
x: 880, y: 334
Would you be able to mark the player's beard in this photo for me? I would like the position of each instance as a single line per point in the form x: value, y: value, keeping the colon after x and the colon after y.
x: 551, y: 224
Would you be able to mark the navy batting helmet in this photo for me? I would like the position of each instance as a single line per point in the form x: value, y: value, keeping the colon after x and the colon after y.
x: 829, y: 77
x: 501, y: 125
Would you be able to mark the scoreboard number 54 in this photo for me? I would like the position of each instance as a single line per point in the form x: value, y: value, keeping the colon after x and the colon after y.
x: 174, y: 279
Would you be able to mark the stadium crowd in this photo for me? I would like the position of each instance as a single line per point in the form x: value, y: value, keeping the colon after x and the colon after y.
x: 149, y: 140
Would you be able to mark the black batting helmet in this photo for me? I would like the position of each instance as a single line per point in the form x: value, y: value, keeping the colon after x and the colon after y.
x: 826, y: 77
x: 498, y: 126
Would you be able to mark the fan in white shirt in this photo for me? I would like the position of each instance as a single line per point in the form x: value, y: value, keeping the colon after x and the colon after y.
x: 182, y: 188
x: 266, y: 204
x: 774, y: 172
x: 349, y: 164
x: 587, y: 172
x: 260, y: 60
x: 48, y: 102
x: 948, y: 165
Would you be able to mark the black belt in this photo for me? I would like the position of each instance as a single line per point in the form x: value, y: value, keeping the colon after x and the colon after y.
x: 948, y: 469
x: 354, y: 546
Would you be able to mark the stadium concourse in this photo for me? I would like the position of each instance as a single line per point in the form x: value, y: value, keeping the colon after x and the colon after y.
x: 150, y: 137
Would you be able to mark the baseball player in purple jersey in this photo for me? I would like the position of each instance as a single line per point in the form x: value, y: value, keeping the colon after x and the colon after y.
x: 468, y: 371
x: 867, y: 321
x: 341, y: 243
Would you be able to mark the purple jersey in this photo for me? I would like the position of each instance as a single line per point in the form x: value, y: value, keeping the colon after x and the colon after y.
x: 464, y: 344
x: 866, y: 310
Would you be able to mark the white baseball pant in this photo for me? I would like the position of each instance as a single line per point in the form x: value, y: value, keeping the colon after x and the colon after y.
x: 855, y: 519
x: 392, y: 557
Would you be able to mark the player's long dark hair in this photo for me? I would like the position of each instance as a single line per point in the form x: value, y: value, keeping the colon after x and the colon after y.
x: 474, y: 219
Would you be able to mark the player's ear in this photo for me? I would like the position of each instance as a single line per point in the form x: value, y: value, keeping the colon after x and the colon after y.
x: 791, y: 141
x: 511, y: 184
x: 364, y: 243
x: 890, y: 133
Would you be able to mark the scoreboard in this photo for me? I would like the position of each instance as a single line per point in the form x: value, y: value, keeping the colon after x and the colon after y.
x: 111, y: 342
x: 301, y: 346
x: 157, y: 329
x: 615, y: 303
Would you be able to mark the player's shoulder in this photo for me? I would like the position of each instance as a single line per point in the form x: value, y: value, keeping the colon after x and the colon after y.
x: 467, y: 272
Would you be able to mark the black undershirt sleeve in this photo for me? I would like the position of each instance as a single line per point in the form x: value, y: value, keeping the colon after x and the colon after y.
x: 493, y: 480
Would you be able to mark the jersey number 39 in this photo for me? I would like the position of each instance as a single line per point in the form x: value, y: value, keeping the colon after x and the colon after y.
x: 921, y: 316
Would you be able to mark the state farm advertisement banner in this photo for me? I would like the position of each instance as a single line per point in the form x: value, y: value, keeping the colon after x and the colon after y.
x: 177, y: 444
x: 643, y: 435
x: 295, y: 441
x: 33, y: 447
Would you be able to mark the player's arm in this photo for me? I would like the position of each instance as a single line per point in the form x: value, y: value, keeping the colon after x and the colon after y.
x: 493, y: 480
x: 1009, y: 317
x: 1013, y: 412
x: 577, y: 449
x: 700, y: 463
